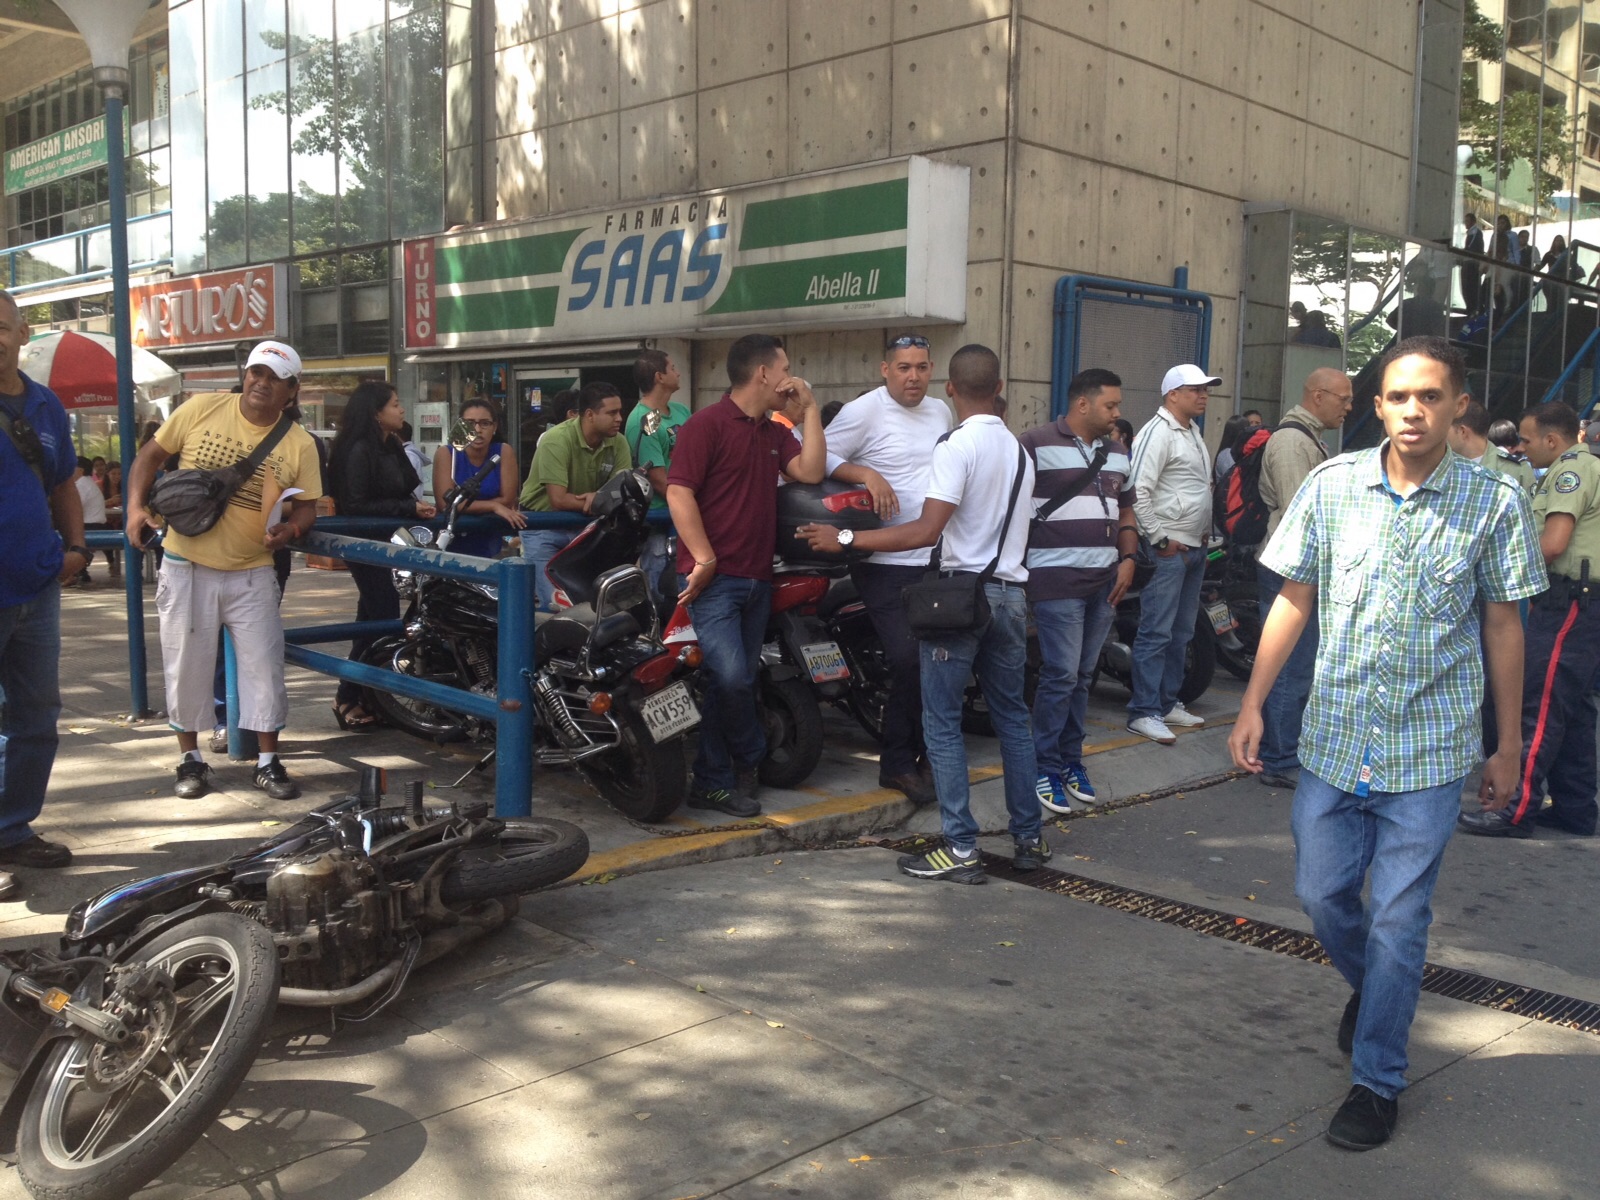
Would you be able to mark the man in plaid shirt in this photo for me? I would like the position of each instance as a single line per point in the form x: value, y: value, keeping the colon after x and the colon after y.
x: 1395, y: 547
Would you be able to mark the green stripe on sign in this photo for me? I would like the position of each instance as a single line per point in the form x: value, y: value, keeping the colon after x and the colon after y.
x: 833, y: 279
x: 541, y: 254
x: 849, y: 212
x: 531, y: 308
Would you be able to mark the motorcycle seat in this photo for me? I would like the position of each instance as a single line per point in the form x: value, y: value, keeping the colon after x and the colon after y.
x: 571, y: 629
x: 842, y: 592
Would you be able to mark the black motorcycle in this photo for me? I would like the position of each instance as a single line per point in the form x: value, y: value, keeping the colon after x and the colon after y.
x: 1231, y: 596
x: 609, y: 696
x: 130, y: 1036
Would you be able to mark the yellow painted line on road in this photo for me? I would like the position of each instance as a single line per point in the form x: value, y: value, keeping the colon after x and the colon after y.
x: 1133, y: 739
x: 832, y: 807
x: 638, y: 854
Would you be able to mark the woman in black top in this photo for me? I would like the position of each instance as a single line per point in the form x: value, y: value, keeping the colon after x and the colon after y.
x: 371, y: 477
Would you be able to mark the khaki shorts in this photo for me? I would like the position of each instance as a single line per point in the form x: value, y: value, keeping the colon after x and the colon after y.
x: 194, y: 603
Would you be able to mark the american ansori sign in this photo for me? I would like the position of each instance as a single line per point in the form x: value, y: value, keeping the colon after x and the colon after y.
x: 855, y: 247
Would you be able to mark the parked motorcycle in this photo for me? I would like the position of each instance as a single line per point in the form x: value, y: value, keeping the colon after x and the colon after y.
x: 132, y: 1034
x: 1232, y: 597
x: 609, y: 697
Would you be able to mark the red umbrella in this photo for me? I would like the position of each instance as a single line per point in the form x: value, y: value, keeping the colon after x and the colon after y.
x: 81, y: 369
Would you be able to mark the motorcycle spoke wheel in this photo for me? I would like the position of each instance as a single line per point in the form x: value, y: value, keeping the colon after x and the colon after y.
x: 84, y: 1137
x: 530, y: 853
x: 416, y: 717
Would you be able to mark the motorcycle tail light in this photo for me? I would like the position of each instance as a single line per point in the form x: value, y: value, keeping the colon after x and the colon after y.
x: 692, y: 656
x: 840, y: 502
x: 653, y: 673
x: 600, y: 703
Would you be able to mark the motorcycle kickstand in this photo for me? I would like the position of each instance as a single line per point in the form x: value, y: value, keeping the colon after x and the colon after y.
x: 473, y: 769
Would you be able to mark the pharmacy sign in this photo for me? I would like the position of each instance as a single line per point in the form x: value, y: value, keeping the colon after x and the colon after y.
x: 864, y: 246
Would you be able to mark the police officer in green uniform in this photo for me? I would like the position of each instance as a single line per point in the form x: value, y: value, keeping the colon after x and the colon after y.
x: 1563, y: 641
x: 1469, y: 437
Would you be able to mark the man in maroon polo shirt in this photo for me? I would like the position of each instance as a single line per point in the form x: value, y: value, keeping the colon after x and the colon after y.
x: 722, y: 488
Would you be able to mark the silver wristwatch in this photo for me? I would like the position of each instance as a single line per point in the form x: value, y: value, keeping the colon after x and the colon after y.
x: 846, y: 536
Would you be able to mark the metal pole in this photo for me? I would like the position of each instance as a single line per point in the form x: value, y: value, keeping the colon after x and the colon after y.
x: 513, y: 742
x: 127, y: 427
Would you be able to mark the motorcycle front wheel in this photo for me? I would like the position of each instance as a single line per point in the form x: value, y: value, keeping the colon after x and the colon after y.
x: 643, y: 779
x: 420, y: 660
x: 99, y: 1123
x: 530, y: 854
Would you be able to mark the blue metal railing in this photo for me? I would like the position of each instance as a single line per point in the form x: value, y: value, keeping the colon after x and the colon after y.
x: 85, y: 255
x: 1590, y: 351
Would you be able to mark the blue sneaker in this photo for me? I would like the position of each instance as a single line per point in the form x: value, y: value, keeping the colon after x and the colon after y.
x: 1052, y: 792
x: 1078, y: 785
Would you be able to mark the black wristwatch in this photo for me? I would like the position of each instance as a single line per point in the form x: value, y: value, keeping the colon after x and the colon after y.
x: 1163, y: 543
x: 88, y: 554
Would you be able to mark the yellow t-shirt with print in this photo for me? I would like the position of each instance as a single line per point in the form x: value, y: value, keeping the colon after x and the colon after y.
x: 209, y: 431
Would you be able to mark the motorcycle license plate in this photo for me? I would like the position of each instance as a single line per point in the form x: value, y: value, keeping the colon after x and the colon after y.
x: 669, y: 712
x: 825, y: 661
x: 1221, y: 616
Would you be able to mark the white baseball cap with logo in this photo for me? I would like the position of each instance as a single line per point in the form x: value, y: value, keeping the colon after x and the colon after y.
x: 1187, y: 375
x: 278, y: 357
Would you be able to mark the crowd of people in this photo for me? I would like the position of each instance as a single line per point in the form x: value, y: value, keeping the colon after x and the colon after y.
x: 1393, y: 582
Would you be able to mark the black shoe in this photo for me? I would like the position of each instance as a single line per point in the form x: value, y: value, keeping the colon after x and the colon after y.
x: 942, y: 863
x: 219, y: 740
x: 194, y: 779
x: 1030, y: 856
x: 1548, y: 818
x: 1347, y: 1023
x: 747, y: 781
x: 912, y: 784
x: 274, y: 780
x: 1364, y: 1121
x: 1280, y: 780
x: 35, y: 852
x: 1493, y: 824
x: 724, y: 801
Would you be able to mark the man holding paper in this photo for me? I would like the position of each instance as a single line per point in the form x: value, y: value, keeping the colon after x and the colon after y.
x: 224, y: 577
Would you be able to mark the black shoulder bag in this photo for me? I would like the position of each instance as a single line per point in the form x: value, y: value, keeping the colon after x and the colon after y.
x: 1072, y: 489
x: 192, y: 500
x: 941, y: 606
x: 26, y: 439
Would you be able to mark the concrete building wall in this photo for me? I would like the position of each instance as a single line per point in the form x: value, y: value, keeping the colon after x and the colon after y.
x: 1112, y: 137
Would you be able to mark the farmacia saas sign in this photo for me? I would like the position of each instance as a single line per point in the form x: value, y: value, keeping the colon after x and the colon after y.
x: 863, y: 246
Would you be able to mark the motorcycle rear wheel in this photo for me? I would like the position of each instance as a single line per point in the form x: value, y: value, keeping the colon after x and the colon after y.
x: 643, y: 779
x: 417, y: 717
x: 226, y: 970
x: 532, y: 853
x: 793, y: 723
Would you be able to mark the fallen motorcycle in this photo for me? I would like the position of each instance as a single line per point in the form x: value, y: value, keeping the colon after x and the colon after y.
x: 130, y: 1036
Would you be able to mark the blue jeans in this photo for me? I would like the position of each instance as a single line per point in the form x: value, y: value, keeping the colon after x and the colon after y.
x: 1168, y: 606
x: 998, y: 657
x: 1285, y: 705
x: 1071, y: 633
x: 1400, y: 837
x: 541, y: 546
x: 30, y: 702
x: 730, y: 619
x: 653, y: 561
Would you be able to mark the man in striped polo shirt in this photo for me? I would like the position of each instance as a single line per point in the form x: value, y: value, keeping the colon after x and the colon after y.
x: 1080, y: 562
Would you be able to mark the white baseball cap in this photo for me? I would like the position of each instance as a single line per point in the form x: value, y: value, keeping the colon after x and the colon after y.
x: 279, y: 357
x: 1187, y: 375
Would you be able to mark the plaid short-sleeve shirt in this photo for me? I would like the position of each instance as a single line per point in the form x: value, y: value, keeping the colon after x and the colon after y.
x: 1399, y: 674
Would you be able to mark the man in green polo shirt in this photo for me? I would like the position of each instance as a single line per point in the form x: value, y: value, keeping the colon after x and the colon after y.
x: 573, y: 460
x: 656, y: 377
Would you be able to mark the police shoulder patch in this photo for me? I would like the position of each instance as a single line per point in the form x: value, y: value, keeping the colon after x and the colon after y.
x: 1567, y: 481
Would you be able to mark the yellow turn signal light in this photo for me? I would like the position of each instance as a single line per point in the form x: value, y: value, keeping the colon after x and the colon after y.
x: 600, y: 703
x: 692, y: 656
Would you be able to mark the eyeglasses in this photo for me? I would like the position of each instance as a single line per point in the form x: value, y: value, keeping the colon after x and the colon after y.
x: 908, y: 341
x: 485, y: 423
x: 1342, y: 397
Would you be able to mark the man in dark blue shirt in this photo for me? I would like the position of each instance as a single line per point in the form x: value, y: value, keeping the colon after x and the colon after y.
x: 39, y: 515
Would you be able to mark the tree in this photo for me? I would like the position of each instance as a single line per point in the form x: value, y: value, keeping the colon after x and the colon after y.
x: 1520, y: 128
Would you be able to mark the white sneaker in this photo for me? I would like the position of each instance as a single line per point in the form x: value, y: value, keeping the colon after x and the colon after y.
x: 1153, y: 728
x: 1182, y: 717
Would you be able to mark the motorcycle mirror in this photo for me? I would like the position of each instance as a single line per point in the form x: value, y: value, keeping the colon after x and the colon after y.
x: 461, y: 433
x: 651, y: 424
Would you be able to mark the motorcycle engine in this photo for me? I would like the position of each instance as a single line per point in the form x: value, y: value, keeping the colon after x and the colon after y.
x: 332, y: 927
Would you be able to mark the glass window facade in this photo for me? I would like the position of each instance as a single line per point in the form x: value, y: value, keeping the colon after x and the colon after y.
x: 341, y: 106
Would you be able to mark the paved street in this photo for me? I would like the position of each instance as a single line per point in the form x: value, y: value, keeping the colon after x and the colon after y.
x: 800, y: 1022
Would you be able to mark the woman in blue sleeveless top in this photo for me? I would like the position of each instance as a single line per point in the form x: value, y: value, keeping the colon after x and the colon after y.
x: 497, y: 495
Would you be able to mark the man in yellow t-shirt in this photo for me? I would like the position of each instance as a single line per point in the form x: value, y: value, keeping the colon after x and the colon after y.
x: 224, y: 577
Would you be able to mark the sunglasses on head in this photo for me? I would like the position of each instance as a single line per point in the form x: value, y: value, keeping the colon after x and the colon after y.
x: 908, y: 341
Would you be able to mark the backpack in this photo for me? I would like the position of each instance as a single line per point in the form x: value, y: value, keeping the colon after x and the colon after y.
x: 1236, y: 503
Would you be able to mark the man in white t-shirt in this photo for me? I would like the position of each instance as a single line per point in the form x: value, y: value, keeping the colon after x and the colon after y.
x: 93, y: 501
x: 893, y: 430
x: 977, y: 499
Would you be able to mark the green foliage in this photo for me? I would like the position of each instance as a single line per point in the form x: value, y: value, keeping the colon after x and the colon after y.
x: 1481, y: 38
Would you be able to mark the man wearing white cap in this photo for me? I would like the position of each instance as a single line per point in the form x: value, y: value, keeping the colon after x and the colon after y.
x: 1172, y: 482
x: 224, y: 577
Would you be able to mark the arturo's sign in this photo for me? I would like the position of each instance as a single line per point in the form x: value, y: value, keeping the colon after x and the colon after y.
x: 863, y: 246
x: 221, y: 306
x: 74, y: 149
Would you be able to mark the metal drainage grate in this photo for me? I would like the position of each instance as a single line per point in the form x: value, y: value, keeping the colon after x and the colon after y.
x: 1517, y: 999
